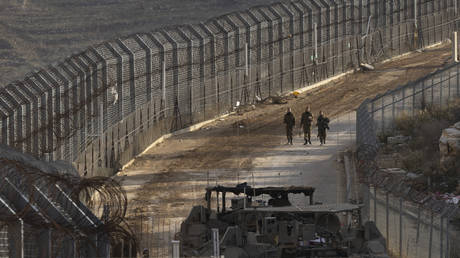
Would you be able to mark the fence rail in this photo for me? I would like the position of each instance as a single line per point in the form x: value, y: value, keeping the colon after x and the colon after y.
x: 105, y: 105
x: 414, y: 222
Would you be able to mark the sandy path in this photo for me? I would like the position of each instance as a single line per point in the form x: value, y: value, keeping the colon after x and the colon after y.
x: 170, y: 178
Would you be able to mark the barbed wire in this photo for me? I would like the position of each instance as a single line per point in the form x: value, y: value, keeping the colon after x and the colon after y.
x: 82, y: 111
x: 47, y: 191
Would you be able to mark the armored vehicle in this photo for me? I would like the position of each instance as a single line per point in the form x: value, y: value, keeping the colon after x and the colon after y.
x: 252, y: 227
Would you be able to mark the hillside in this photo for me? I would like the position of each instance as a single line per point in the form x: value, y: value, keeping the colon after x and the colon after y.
x: 36, y: 33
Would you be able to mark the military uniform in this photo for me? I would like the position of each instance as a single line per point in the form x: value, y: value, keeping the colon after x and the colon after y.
x: 305, y: 123
x: 289, y: 120
x: 323, y: 124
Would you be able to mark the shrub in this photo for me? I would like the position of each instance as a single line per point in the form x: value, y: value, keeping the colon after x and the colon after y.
x: 413, y: 161
x: 382, y: 136
x: 425, y: 129
x: 405, y: 124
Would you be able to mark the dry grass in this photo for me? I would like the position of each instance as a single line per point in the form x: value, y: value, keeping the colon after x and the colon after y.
x: 421, y: 154
x: 37, y: 33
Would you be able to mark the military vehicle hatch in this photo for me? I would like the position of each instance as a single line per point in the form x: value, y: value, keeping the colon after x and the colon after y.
x: 252, y: 227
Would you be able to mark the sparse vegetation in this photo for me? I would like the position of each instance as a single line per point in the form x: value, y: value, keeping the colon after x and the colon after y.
x: 383, y: 136
x: 421, y: 153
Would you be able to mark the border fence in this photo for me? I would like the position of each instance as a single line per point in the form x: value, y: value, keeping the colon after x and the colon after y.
x: 46, y: 211
x: 414, y: 223
x: 102, y: 107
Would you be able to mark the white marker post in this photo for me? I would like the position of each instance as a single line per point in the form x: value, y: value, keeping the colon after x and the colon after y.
x: 455, y: 45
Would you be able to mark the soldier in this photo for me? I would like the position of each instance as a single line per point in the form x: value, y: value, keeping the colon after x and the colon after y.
x: 322, y: 124
x: 289, y: 120
x: 305, y: 124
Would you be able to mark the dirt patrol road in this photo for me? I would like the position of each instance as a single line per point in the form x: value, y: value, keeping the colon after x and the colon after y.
x: 168, y: 179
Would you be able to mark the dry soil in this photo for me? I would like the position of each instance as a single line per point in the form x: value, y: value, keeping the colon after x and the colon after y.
x: 169, y: 178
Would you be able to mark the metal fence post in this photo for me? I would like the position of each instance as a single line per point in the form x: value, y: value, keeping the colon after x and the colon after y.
x: 191, y: 81
x: 441, y: 96
x: 130, y: 249
x: 74, y: 242
x: 403, y: 100
x: 455, y: 6
x: 142, y: 230
x: 163, y: 85
x: 316, y: 41
x: 152, y: 235
x: 418, y: 224
x: 375, y: 205
x: 387, y: 212
x: 158, y: 249
x: 448, y: 91
x: 372, y: 111
x: 423, y: 105
x: 215, y: 242
x: 163, y: 236
x: 122, y: 252
x: 22, y: 242
x: 447, y: 237
x: 400, y: 227
x: 441, y: 236
x: 216, y: 83
x: 383, y: 114
x: 246, y: 61
x: 413, y: 99
x: 175, y: 249
x: 393, y: 113
x: 431, y: 235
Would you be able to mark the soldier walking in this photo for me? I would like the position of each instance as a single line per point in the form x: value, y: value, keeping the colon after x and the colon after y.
x: 322, y: 123
x: 289, y: 120
x: 305, y: 124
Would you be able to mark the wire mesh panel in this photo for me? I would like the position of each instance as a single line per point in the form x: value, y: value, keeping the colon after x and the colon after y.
x: 4, y: 250
x: 192, y: 73
x: 155, y: 233
x: 411, y: 229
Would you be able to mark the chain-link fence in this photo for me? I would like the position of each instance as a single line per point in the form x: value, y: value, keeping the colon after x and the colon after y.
x: 154, y: 234
x: 105, y: 105
x: 47, y: 210
x: 414, y: 222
